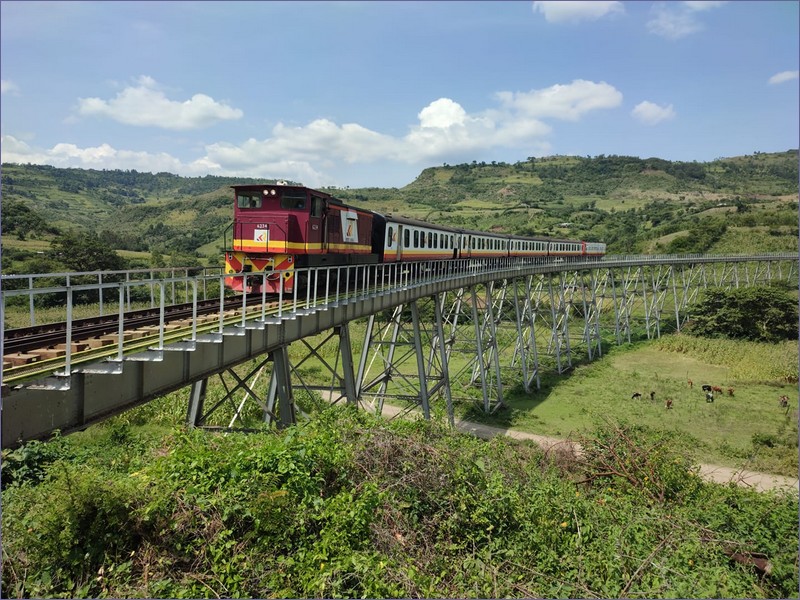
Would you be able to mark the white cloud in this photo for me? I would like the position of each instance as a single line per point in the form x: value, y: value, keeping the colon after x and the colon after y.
x: 701, y: 5
x: 569, y: 11
x: 673, y: 25
x: 567, y: 102
x: 442, y: 113
x: 146, y: 106
x: 674, y: 21
x: 444, y: 131
x: 783, y: 77
x: 14, y: 150
x: 650, y: 113
x: 8, y: 87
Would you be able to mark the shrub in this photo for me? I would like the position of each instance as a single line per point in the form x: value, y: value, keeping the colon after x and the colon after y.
x: 766, y: 314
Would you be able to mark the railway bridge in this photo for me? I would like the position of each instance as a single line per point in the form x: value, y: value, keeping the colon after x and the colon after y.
x: 425, y: 335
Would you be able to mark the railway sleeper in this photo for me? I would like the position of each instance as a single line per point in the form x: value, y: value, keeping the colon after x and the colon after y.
x: 20, y: 358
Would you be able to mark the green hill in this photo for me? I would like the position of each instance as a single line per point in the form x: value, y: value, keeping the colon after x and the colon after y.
x: 633, y: 204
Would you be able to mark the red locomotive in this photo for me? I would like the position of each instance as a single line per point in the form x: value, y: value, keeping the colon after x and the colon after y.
x: 278, y: 228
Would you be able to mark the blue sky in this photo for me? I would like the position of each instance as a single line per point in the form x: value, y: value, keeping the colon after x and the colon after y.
x: 370, y: 93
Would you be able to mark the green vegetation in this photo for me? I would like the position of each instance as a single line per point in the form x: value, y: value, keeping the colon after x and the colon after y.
x: 349, y: 506
x: 766, y: 314
x: 741, y: 204
x: 85, y: 253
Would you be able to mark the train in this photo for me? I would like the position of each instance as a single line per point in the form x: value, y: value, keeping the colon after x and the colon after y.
x: 278, y: 228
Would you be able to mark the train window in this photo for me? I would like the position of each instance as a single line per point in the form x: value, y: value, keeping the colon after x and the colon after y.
x: 416, y: 239
x: 389, y: 236
x: 430, y: 240
x: 252, y: 200
x: 406, y: 238
x: 317, y: 205
x: 293, y: 200
x: 435, y: 241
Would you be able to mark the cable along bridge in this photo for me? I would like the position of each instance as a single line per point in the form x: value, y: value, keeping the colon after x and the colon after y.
x: 425, y: 332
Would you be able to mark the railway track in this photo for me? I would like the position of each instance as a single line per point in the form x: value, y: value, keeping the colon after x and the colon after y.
x: 25, y: 347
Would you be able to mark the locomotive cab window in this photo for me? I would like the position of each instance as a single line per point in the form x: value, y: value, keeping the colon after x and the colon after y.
x: 317, y: 205
x: 252, y: 200
x: 389, y: 236
x: 293, y: 200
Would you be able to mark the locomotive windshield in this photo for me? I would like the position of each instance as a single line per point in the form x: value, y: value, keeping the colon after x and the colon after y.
x: 248, y: 200
x: 293, y: 199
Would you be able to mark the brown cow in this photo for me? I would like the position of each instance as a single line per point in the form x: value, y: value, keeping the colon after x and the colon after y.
x: 691, y: 384
x: 730, y: 392
x: 716, y: 389
x: 668, y: 403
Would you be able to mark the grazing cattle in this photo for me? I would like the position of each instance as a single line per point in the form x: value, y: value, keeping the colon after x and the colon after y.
x: 716, y: 389
x: 668, y: 403
x: 652, y: 396
x: 730, y: 392
x: 784, y: 401
x: 636, y: 396
x: 691, y: 384
x: 709, y: 396
x: 706, y: 388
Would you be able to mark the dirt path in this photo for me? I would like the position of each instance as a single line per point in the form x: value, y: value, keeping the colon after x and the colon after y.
x: 715, y: 473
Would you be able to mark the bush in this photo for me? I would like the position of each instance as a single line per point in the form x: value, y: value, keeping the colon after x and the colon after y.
x: 350, y: 506
x: 766, y: 314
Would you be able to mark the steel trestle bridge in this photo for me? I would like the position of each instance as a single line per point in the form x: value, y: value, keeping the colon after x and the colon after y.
x: 428, y: 332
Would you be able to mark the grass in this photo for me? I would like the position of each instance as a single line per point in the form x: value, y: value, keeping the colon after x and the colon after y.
x: 747, y: 430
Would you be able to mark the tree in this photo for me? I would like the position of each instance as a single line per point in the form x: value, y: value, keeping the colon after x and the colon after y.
x: 86, y: 252
x: 763, y: 313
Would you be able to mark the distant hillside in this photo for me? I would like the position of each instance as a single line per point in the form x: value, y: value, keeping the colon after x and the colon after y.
x: 632, y: 204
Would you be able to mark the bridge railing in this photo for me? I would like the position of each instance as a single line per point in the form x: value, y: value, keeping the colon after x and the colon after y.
x: 203, y: 291
x: 35, y: 284
x: 69, y: 297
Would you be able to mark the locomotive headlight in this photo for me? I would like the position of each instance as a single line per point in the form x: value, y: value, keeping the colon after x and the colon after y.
x: 266, y: 192
x: 273, y: 192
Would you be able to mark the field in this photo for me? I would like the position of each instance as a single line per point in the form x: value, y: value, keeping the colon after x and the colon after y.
x: 748, y: 430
